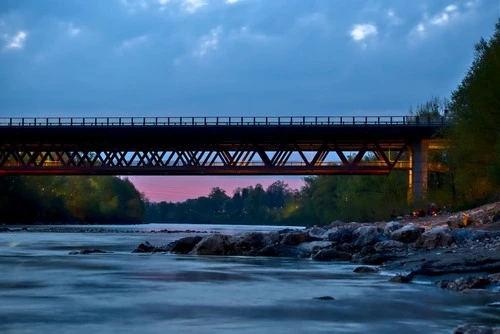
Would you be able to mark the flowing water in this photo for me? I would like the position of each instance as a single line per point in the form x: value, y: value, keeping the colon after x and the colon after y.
x: 43, y: 289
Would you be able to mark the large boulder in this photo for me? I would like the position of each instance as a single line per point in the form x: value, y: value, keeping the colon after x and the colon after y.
x: 146, y: 247
x: 366, y: 236
x: 465, y: 283
x: 283, y: 251
x: 215, y: 244
x: 465, y: 236
x: 407, y: 234
x: 342, y: 234
x: 391, y: 227
x: 185, y: 245
x: 331, y: 255
x: 389, y: 246
x: 317, y: 231
x: 437, y: 237
x: 314, y: 246
x: 297, y: 237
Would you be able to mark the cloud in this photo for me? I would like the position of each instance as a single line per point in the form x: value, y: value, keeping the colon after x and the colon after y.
x: 132, y: 43
x: 246, y: 33
x: 446, y: 16
x: 209, y: 42
x: 393, y: 18
x: 135, y: 5
x: 17, y: 41
x: 73, y: 31
x: 360, y: 32
x: 191, y: 6
x: 232, y: 2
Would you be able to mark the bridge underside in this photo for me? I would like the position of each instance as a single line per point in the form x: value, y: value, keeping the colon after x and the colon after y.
x: 294, y: 149
x: 217, y: 159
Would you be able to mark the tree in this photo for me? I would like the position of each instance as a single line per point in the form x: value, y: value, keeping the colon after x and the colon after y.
x: 475, y: 110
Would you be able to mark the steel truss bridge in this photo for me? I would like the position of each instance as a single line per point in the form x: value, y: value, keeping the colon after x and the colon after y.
x: 219, y: 145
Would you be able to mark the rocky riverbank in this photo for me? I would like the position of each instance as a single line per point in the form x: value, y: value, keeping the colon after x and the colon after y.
x: 465, y: 245
x: 466, y: 242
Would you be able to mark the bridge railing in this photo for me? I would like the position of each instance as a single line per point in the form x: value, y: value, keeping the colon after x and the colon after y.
x: 222, y: 121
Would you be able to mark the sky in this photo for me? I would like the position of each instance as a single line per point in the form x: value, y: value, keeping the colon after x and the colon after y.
x: 232, y: 58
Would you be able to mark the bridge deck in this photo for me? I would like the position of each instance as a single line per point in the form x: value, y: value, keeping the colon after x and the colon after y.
x: 210, y: 145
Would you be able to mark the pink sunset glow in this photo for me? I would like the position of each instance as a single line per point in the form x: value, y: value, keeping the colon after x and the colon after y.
x: 181, y: 188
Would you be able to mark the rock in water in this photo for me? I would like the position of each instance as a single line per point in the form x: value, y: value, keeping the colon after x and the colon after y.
x: 473, y: 329
x: 365, y: 269
x: 402, y: 278
x: 216, y: 244
x: 325, y: 298
x: 88, y: 251
x: 331, y: 255
x: 185, y: 245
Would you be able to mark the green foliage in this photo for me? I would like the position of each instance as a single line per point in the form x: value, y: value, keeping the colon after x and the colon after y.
x: 475, y: 109
x: 52, y: 199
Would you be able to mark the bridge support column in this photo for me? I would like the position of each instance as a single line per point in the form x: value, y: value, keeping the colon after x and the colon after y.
x: 417, y: 176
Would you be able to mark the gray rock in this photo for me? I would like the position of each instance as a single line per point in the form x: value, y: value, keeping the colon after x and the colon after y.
x: 314, y: 245
x: 407, y: 234
x: 391, y: 227
x: 473, y: 329
x: 465, y: 236
x: 437, y: 237
x: 317, y: 232
x: 215, y: 244
x: 376, y: 259
x: 366, y: 236
x: 148, y: 248
x: 324, y: 298
x: 331, y: 255
x: 295, y: 238
x: 89, y: 251
x: 365, y: 269
x: 342, y: 235
x: 401, y: 278
x: 185, y: 245
x: 465, y: 283
x: 389, y: 246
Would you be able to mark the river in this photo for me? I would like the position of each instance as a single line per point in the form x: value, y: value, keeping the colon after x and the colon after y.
x: 43, y: 289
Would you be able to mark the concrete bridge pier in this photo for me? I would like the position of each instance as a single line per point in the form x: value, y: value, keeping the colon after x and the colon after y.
x: 417, y: 176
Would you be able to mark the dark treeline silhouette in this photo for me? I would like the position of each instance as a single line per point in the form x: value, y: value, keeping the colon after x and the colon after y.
x: 69, y: 199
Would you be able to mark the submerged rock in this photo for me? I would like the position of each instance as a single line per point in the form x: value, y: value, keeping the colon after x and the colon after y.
x: 88, y: 251
x: 366, y: 270
x: 324, y: 298
x: 401, y: 278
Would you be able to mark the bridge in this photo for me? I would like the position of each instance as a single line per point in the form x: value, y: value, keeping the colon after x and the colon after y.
x: 305, y: 145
